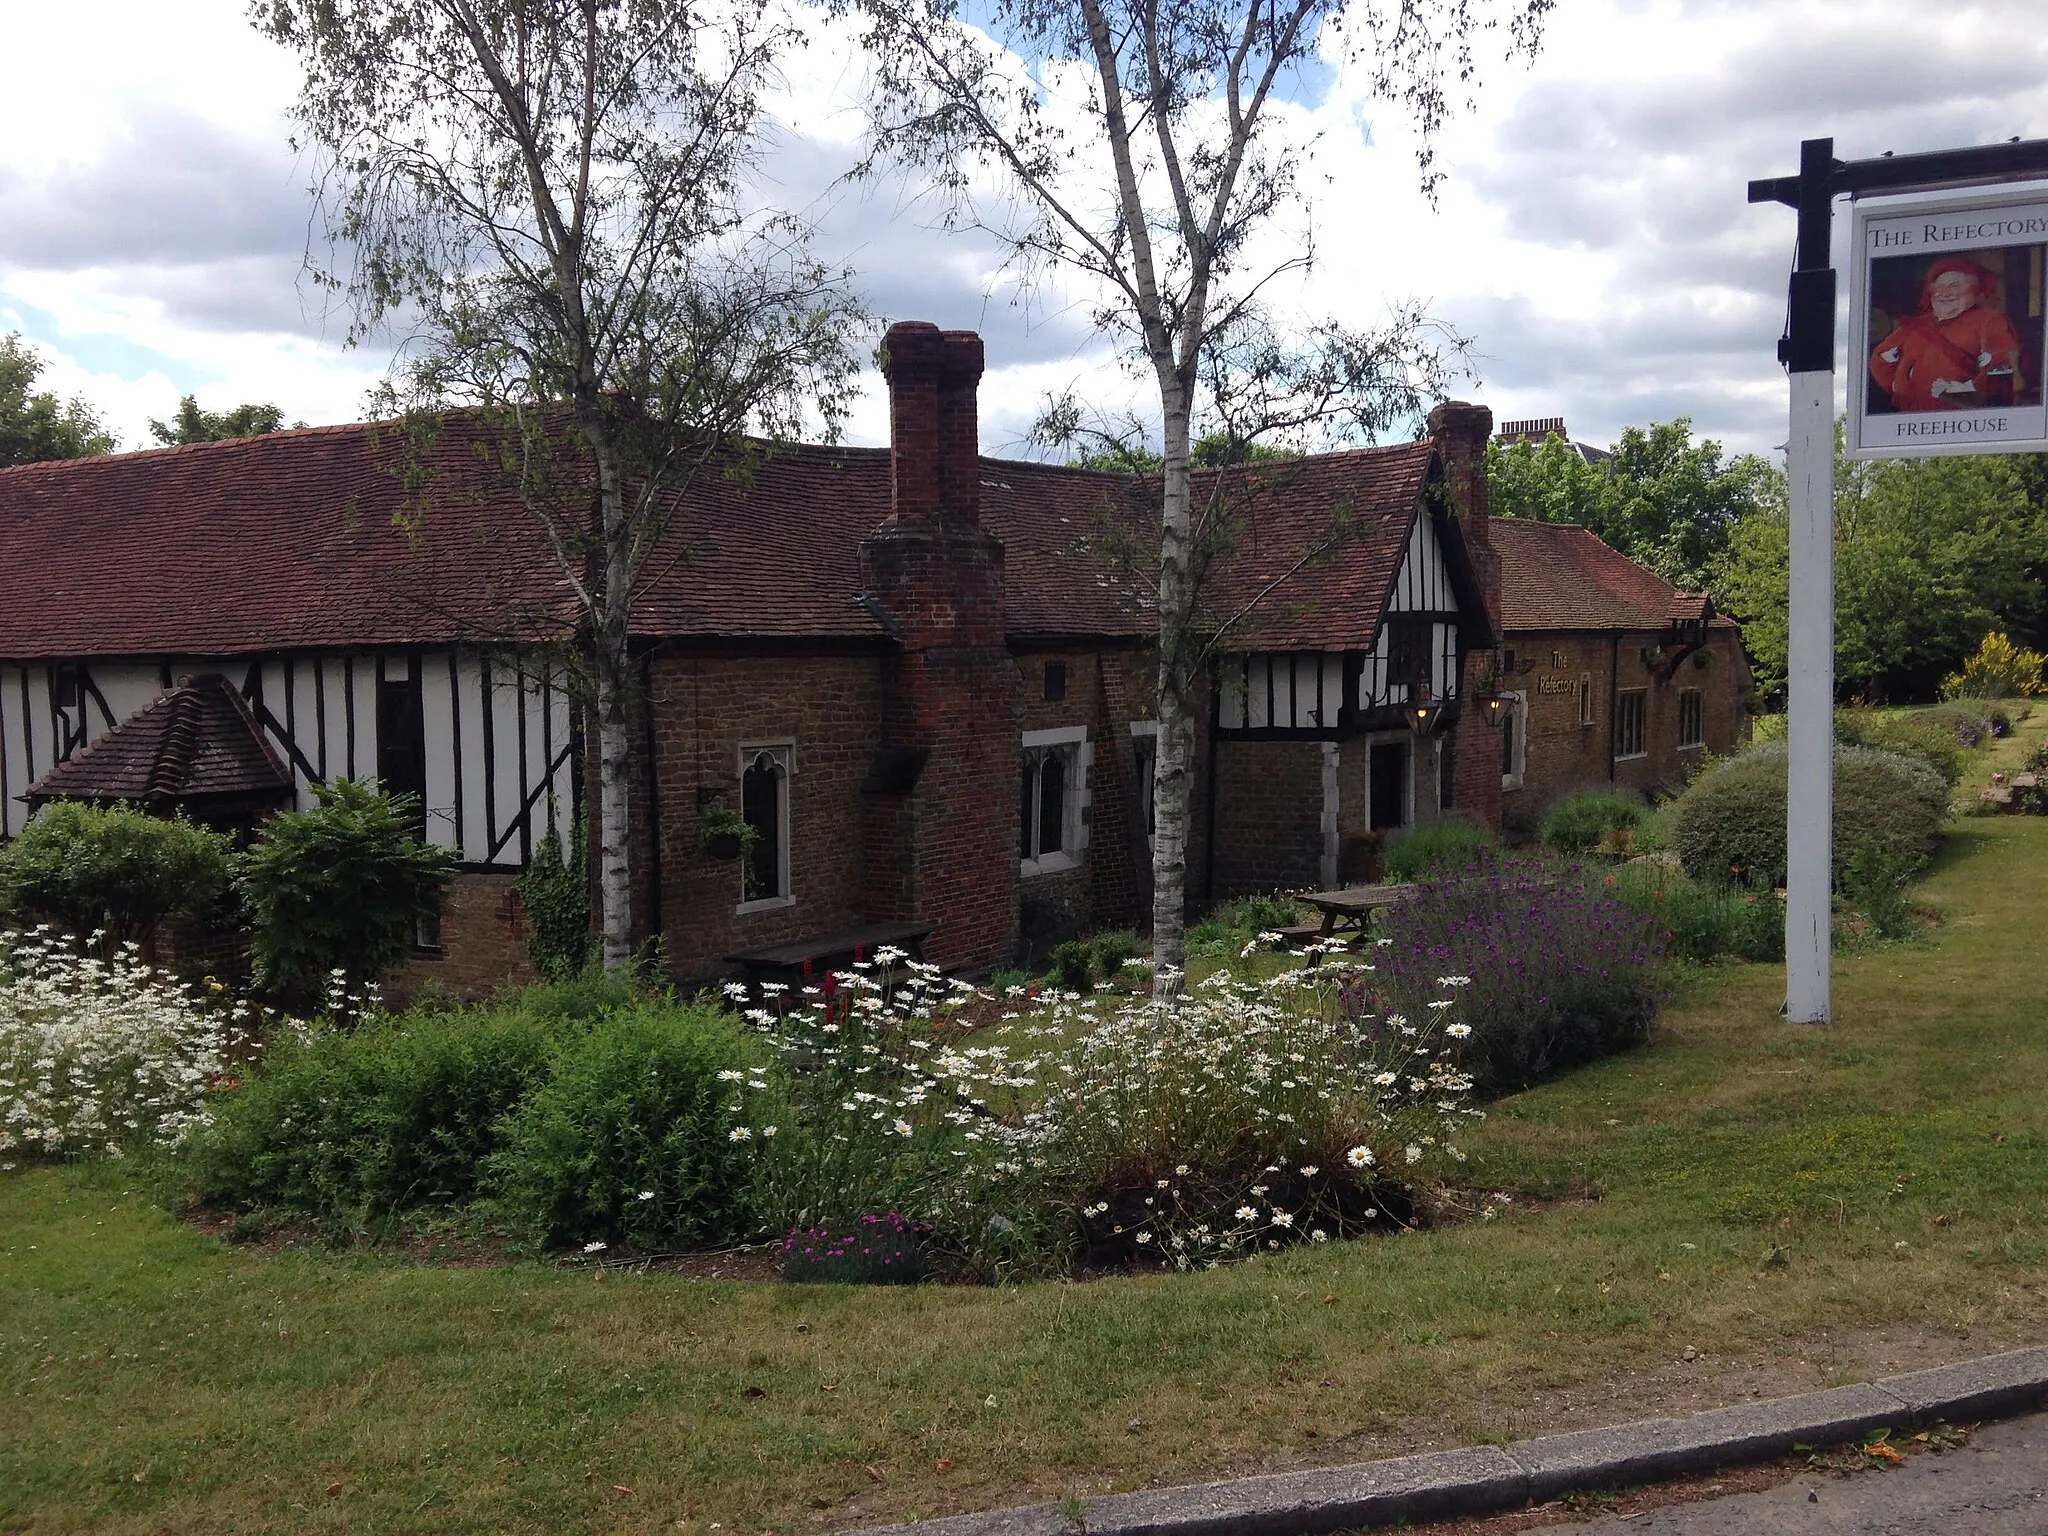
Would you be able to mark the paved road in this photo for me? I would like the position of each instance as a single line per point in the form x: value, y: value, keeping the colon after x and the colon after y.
x: 1996, y: 1485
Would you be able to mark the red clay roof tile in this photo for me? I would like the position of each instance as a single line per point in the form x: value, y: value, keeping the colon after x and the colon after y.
x: 320, y: 537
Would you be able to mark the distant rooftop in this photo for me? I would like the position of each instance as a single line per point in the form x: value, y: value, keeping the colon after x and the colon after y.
x: 1539, y: 428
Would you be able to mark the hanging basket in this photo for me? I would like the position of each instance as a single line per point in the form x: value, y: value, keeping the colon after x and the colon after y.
x: 723, y: 845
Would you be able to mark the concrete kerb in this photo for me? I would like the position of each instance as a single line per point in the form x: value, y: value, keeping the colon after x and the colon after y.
x: 1482, y: 1479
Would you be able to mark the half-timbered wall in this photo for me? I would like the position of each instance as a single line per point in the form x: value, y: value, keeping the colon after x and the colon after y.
x: 1306, y: 691
x: 494, y: 752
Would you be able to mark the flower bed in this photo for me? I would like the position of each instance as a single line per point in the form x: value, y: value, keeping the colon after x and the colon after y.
x: 101, y: 1055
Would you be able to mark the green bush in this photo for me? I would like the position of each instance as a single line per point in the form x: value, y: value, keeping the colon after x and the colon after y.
x: 1429, y: 846
x: 1875, y: 881
x: 339, y: 888
x: 1933, y: 740
x: 1966, y: 723
x: 1729, y: 825
x: 398, y: 1113
x: 1078, y: 964
x: 1263, y: 912
x: 1704, y: 921
x: 645, y: 1131
x: 90, y: 867
x: 1596, y: 821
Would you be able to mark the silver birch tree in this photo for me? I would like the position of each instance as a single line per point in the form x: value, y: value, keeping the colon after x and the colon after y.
x: 545, y: 202
x: 1133, y: 144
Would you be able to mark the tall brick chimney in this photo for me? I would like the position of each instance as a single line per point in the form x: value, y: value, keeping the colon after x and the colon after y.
x: 1461, y: 431
x: 945, y: 852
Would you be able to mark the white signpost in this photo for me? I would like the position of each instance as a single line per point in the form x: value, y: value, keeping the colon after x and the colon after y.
x: 1946, y: 351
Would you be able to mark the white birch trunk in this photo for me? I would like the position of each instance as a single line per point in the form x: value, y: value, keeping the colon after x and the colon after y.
x: 1172, y: 763
x: 611, y: 642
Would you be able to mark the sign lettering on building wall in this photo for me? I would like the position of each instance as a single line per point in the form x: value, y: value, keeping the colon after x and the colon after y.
x: 1557, y: 685
x: 1947, y: 320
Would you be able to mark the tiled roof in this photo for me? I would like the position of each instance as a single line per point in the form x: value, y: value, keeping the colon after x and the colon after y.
x: 1317, y: 544
x: 1562, y: 576
x: 197, y: 740
x: 296, y: 539
x: 317, y: 538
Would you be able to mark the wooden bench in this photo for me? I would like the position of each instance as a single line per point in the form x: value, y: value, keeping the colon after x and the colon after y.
x: 1350, y: 910
x: 801, y: 962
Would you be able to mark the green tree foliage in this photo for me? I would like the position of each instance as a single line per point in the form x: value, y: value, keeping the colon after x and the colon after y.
x: 111, y: 868
x: 554, y: 204
x: 1662, y: 499
x: 1212, y: 450
x: 339, y: 887
x: 192, y: 425
x: 1931, y: 555
x: 34, y: 425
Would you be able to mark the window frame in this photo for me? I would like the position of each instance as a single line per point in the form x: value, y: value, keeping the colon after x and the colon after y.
x: 1072, y: 744
x: 1589, y: 713
x: 1145, y: 751
x: 784, y: 753
x: 1697, y: 699
x: 1515, y: 719
x: 1640, y: 707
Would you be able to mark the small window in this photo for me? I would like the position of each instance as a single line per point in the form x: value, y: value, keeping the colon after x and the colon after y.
x: 1408, y: 652
x: 401, y: 744
x: 1145, y: 747
x: 67, y: 687
x: 1049, y: 796
x: 1055, y: 681
x: 1586, y: 716
x: 1630, y: 706
x: 764, y: 806
x: 1691, y: 719
x: 1514, y: 743
x: 426, y: 930
x: 1044, y: 803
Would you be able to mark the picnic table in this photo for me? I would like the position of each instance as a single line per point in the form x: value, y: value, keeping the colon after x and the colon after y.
x: 803, y: 960
x: 1349, y: 910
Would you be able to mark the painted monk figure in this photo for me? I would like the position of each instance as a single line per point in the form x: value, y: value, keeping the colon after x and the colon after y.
x: 1956, y: 354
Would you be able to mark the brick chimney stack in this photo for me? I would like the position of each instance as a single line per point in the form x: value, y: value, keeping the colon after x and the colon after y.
x: 946, y: 851
x: 1461, y: 431
x: 934, y: 424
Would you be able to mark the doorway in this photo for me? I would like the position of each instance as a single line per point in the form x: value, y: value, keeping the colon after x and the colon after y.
x: 1387, y: 769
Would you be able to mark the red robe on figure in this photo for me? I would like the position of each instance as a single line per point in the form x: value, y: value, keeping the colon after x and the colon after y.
x: 1965, y: 355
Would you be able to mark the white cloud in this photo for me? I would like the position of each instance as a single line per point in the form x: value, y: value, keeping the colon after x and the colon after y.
x: 1591, y: 237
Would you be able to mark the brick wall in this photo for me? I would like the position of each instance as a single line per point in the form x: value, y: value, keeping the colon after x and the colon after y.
x: 483, y: 943
x: 826, y: 708
x: 1563, y: 756
x: 951, y: 690
x: 1269, y: 834
x: 1105, y: 691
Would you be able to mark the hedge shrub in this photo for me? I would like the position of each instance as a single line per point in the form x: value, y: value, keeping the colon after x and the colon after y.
x: 646, y: 1130
x: 1931, y: 738
x: 1729, y: 825
x: 398, y: 1113
x: 1597, y: 820
x: 1450, y: 843
x: 91, y: 867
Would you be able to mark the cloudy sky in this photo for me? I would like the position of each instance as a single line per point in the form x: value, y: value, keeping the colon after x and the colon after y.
x: 1591, y: 238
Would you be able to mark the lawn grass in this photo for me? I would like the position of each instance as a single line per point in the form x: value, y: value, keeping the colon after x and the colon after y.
x: 1803, y: 1206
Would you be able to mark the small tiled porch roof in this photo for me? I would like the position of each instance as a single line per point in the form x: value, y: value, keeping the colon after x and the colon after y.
x: 197, y: 742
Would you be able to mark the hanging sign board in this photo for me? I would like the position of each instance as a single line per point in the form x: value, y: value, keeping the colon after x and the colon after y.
x: 1948, y: 324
